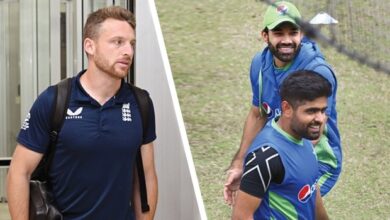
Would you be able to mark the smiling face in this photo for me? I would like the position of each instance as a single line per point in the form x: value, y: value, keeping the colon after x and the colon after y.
x: 284, y: 42
x: 307, y: 118
x: 113, y: 49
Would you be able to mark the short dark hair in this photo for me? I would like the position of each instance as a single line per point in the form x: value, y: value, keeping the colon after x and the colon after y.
x: 92, y: 26
x: 304, y: 85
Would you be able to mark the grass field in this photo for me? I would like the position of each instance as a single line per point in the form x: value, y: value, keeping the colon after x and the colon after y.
x: 210, y: 44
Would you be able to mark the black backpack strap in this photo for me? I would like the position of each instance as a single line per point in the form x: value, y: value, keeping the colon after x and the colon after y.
x: 142, y: 98
x: 61, y: 101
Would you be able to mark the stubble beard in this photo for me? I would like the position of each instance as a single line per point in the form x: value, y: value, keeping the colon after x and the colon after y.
x: 303, y: 130
x: 103, y: 64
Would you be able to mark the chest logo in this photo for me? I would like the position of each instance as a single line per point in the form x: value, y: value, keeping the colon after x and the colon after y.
x: 306, y: 192
x: 267, y: 109
x: 126, y: 112
x: 74, y: 114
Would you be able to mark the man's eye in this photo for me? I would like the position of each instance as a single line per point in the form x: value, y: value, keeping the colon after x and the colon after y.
x: 118, y: 42
x: 311, y: 111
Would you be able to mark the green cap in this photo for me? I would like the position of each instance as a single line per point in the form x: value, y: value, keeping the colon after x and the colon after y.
x: 280, y: 12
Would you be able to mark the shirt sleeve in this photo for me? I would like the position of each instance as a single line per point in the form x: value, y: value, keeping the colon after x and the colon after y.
x: 262, y: 167
x: 151, y: 129
x: 35, y: 131
x: 254, y: 78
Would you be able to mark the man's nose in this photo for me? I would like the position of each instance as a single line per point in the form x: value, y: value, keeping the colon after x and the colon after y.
x: 286, y: 39
x: 320, y: 117
x: 128, y: 50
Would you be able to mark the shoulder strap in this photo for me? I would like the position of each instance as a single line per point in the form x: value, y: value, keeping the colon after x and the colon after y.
x: 61, y: 101
x: 142, y: 98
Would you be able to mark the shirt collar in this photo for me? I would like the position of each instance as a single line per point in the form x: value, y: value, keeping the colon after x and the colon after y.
x: 80, y: 95
x: 123, y: 94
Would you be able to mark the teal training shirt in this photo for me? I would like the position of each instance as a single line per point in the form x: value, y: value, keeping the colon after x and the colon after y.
x: 329, y: 150
x: 295, y: 196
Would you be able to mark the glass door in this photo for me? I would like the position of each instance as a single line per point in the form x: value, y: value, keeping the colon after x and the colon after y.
x: 40, y: 44
x: 10, y: 82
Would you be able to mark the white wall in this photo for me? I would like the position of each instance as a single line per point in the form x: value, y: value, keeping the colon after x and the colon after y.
x: 179, y: 193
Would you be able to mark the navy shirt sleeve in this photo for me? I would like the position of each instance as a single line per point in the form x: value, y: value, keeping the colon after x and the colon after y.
x: 262, y: 167
x: 151, y: 129
x: 35, y: 131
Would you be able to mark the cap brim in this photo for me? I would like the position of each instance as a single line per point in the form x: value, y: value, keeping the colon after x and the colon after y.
x: 278, y: 22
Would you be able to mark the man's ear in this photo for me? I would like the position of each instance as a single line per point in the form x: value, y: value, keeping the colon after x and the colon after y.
x: 89, y: 46
x: 264, y: 36
x: 287, y: 109
x: 302, y: 35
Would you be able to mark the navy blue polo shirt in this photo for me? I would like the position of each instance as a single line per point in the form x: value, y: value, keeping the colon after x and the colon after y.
x: 92, y: 170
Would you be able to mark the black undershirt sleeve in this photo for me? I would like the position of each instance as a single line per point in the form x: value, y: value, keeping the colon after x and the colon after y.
x: 262, y: 167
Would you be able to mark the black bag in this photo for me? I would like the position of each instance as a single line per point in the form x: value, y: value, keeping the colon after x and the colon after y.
x: 42, y: 205
x: 41, y: 202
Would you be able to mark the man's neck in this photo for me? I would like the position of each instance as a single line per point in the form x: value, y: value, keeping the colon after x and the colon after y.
x: 281, y: 65
x: 99, y: 85
x: 285, y: 125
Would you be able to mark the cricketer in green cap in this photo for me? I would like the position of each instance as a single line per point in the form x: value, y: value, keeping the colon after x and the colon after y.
x: 280, y: 12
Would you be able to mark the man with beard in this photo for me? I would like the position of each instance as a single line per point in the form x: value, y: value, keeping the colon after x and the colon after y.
x: 287, y: 51
x: 281, y: 170
x: 92, y: 172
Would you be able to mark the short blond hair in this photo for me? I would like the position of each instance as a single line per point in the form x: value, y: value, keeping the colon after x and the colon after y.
x: 95, y: 19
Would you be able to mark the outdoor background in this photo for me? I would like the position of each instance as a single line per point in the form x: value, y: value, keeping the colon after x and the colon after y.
x: 210, y: 45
